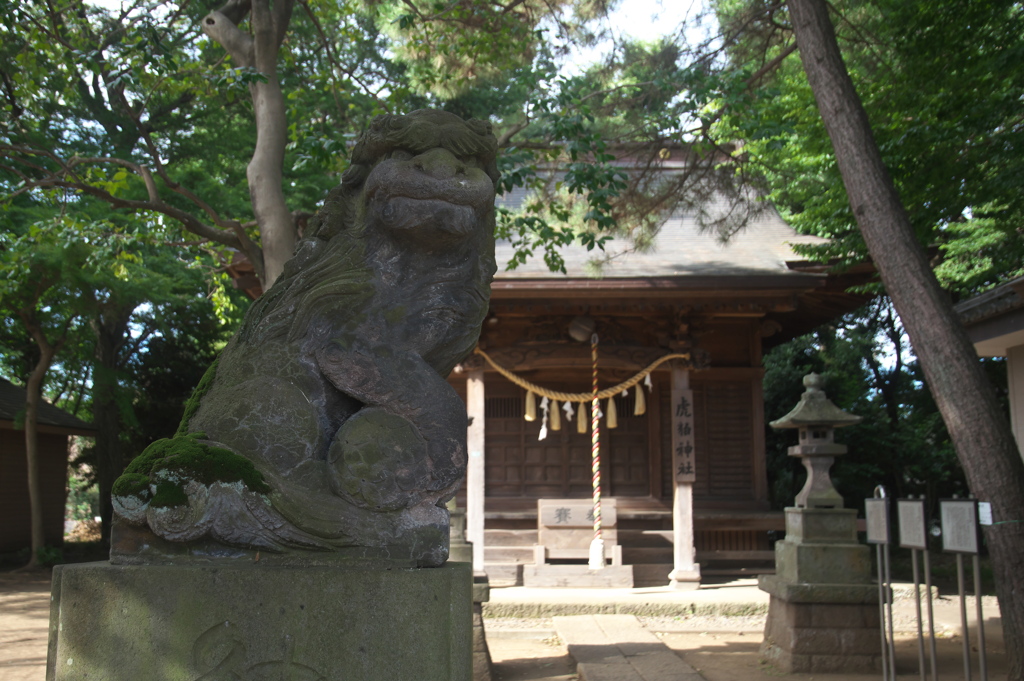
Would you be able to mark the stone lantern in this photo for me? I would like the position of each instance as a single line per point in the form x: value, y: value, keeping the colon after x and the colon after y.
x: 816, y: 419
x: 823, y: 611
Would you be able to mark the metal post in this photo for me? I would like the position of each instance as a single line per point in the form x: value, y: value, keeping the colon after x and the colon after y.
x: 931, y: 616
x: 917, y: 606
x: 963, y: 615
x: 982, y: 662
x: 888, y: 599
x: 881, y: 614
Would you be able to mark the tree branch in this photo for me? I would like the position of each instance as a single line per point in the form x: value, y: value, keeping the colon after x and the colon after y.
x: 237, y: 43
x: 512, y: 132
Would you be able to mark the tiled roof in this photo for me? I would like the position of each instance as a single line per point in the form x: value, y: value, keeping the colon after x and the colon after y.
x: 680, y: 249
x: 1002, y: 299
x: 12, y: 406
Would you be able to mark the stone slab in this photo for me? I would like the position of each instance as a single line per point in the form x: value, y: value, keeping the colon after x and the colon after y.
x: 818, y: 637
x: 617, y: 647
x: 821, y: 525
x: 790, y: 592
x: 178, y: 623
x: 579, y: 576
x: 807, y: 563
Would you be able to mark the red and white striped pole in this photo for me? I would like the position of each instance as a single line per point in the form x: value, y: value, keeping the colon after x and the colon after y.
x: 597, y: 545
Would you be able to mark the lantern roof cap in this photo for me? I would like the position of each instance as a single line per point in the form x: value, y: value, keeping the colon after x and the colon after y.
x: 815, y: 409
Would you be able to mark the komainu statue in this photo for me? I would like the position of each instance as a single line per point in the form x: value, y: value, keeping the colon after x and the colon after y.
x: 326, y: 430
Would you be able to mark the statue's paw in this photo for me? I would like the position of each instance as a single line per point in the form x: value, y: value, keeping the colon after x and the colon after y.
x: 180, y: 509
x: 226, y: 512
x: 378, y: 461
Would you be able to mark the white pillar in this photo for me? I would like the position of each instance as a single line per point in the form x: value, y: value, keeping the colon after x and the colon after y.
x: 686, y: 573
x: 475, y: 466
x: 1015, y: 380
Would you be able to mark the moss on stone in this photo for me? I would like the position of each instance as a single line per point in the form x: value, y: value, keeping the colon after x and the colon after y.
x: 192, y: 404
x: 208, y: 465
x: 153, y: 454
x: 189, y: 459
x: 131, y: 484
x: 169, y: 494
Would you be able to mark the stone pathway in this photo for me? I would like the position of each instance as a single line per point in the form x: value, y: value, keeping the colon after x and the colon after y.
x: 618, y: 648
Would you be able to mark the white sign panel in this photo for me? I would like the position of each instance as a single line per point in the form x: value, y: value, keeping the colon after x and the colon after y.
x: 876, y: 512
x: 913, y: 530
x: 683, y: 456
x: 959, y: 525
x: 984, y: 513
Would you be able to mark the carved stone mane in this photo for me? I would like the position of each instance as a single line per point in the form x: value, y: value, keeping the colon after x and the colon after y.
x: 327, y: 423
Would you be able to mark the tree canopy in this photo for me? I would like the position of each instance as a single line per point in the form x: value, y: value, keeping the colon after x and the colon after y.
x: 942, y: 84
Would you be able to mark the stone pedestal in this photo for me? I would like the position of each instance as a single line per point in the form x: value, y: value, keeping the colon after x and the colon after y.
x: 462, y: 551
x: 823, y: 613
x: 481, y: 653
x: 253, y: 622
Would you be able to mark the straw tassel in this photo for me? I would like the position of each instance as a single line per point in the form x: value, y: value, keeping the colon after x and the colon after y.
x: 613, y: 414
x: 556, y: 416
x: 545, y: 407
x: 531, y: 406
x: 581, y: 419
x: 640, y: 406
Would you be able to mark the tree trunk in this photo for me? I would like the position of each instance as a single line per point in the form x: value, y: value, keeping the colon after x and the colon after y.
x: 34, y: 394
x: 266, y: 168
x: 110, y: 327
x: 966, y: 400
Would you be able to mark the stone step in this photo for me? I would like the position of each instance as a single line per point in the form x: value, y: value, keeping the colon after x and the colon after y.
x: 578, y: 576
x: 618, y: 648
x: 651, y: 574
x: 504, y: 574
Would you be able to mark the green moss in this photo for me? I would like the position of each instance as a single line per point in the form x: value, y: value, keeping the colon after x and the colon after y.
x: 192, y: 404
x: 152, y: 455
x: 395, y: 314
x: 169, y: 494
x: 190, y: 460
x: 213, y: 464
x: 131, y: 484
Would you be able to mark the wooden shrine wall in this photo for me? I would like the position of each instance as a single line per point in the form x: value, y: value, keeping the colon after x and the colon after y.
x: 635, y: 461
x: 519, y: 465
x: 728, y: 440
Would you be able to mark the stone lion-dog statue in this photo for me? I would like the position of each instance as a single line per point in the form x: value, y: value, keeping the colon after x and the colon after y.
x: 326, y: 430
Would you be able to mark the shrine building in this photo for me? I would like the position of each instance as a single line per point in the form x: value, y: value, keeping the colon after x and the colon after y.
x: 687, y: 475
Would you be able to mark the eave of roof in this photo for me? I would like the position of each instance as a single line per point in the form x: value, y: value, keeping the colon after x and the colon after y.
x: 51, y: 418
x: 655, y: 287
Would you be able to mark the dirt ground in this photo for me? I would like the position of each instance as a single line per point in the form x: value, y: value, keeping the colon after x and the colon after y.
x: 733, y: 656
x: 718, y: 655
x: 24, y: 615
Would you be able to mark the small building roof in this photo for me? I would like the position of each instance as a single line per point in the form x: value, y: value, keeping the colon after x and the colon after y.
x: 995, y: 319
x: 51, y: 419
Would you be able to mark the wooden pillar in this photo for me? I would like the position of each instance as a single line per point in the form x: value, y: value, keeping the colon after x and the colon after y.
x: 685, y: 573
x: 475, y: 466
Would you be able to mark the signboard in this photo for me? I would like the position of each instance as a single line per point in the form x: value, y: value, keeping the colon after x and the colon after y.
x: 984, y: 513
x: 913, y: 528
x: 574, y: 512
x: 876, y: 511
x: 683, y: 453
x: 959, y: 525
